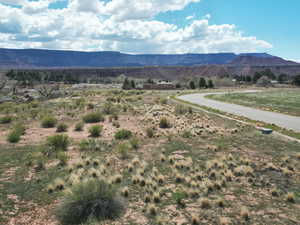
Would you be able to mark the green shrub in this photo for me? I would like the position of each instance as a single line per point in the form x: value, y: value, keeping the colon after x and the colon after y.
x: 20, y: 128
x: 123, y: 134
x: 63, y: 158
x: 6, y: 119
x: 179, y: 196
x: 95, y: 131
x: 94, y: 117
x: 92, y: 200
x: 49, y: 122
x: 163, y: 101
x: 108, y: 108
x: 58, y: 142
x: 14, y: 136
x: 187, y: 134
x: 164, y: 123
x: 150, y: 132
x: 134, y: 142
x: 92, y: 145
x: 61, y: 127
x: 79, y: 127
x: 180, y: 110
x: 123, y: 149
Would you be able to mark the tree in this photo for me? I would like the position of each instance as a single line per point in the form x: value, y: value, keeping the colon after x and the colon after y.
x: 248, y: 79
x: 178, y: 85
x: 47, y: 91
x: 202, y: 83
x: 211, y: 84
x: 132, y: 84
x: 149, y: 81
x: 296, y: 80
x: 126, y: 84
x: 192, y: 85
x: 256, y: 77
x: 264, y: 81
x: 282, y: 78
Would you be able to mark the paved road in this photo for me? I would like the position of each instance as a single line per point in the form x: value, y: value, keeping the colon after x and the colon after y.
x: 281, y: 120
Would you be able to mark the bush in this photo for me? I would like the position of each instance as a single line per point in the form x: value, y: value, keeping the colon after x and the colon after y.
x: 62, y: 127
x: 14, y: 136
x: 163, y: 101
x: 134, y: 142
x: 94, y: 117
x: 164, y: 123
x: 49, y: 122
x: 58, y: 142
x: 63, y: 158
x: 108, y: 108
x: 150, y: 132
x: 123, y: 149
x: 92, y: 145
x: 20, y: 128
x: 79, y: 127
x: 180, y: 110
x: 123, y: 134
x: 92, y: 200
x: 95, y: 131
x: 6, y: 119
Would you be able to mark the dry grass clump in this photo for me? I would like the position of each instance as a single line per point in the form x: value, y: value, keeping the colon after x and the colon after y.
x: 59, y: 184
x: 204, y: 203
x: 147, y: 198
x: 195, y: 219
x: 290, y: 197
x: 125, y: 192
x: 220, y: 203
x: 224, y: 221
x: 275, y: 192
x: 245, y: 214
x: 156, y: 197
x: 152, y: 209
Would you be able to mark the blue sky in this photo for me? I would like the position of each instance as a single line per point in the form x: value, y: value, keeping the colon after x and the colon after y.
x: 277, y: 22
x: 153, y: 26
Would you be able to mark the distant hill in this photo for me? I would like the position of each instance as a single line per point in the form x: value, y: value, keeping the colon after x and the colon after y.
x: 254, y: 60
x: 37, y: 58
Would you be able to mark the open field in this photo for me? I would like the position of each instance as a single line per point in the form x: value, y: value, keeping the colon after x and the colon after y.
x: 175, y: 166
x: 277, y: 100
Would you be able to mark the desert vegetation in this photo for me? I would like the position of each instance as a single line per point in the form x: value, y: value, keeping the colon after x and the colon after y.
x: 133, y: 157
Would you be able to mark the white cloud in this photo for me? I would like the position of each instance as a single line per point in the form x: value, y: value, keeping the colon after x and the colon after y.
x: 190, y: 17
x: 13, y: 2
x: 207, y: 16
x: 121, y: 25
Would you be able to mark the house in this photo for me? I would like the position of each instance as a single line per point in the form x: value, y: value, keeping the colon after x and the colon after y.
x: 160, y: 85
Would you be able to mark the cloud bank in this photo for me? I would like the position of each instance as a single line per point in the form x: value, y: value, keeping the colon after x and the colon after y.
x: 116, y: 25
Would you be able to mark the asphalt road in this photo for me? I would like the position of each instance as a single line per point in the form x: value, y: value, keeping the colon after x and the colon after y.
x: 281, y: 120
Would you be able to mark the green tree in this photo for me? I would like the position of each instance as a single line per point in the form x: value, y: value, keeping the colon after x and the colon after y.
x: 211, y: 84
x: 248, y: 79
x: 192, y: 85
x: 202, y: 83
x: 126, y: 84
x: 282, y: 78
x: 132, y: 84
x: 256, y: 77
x: 296, y: 80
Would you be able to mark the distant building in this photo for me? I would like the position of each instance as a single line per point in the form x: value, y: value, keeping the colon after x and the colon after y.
x: 160, y: 85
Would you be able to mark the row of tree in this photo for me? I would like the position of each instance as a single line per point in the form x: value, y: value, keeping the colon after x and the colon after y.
x: 282, y: 78
x: 202, y: 84
x: 128, y: 84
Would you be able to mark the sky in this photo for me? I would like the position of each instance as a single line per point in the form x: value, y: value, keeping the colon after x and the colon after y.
x: 153, y: 26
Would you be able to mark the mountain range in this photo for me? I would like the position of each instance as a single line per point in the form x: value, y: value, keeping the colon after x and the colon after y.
x: 39, y: 58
